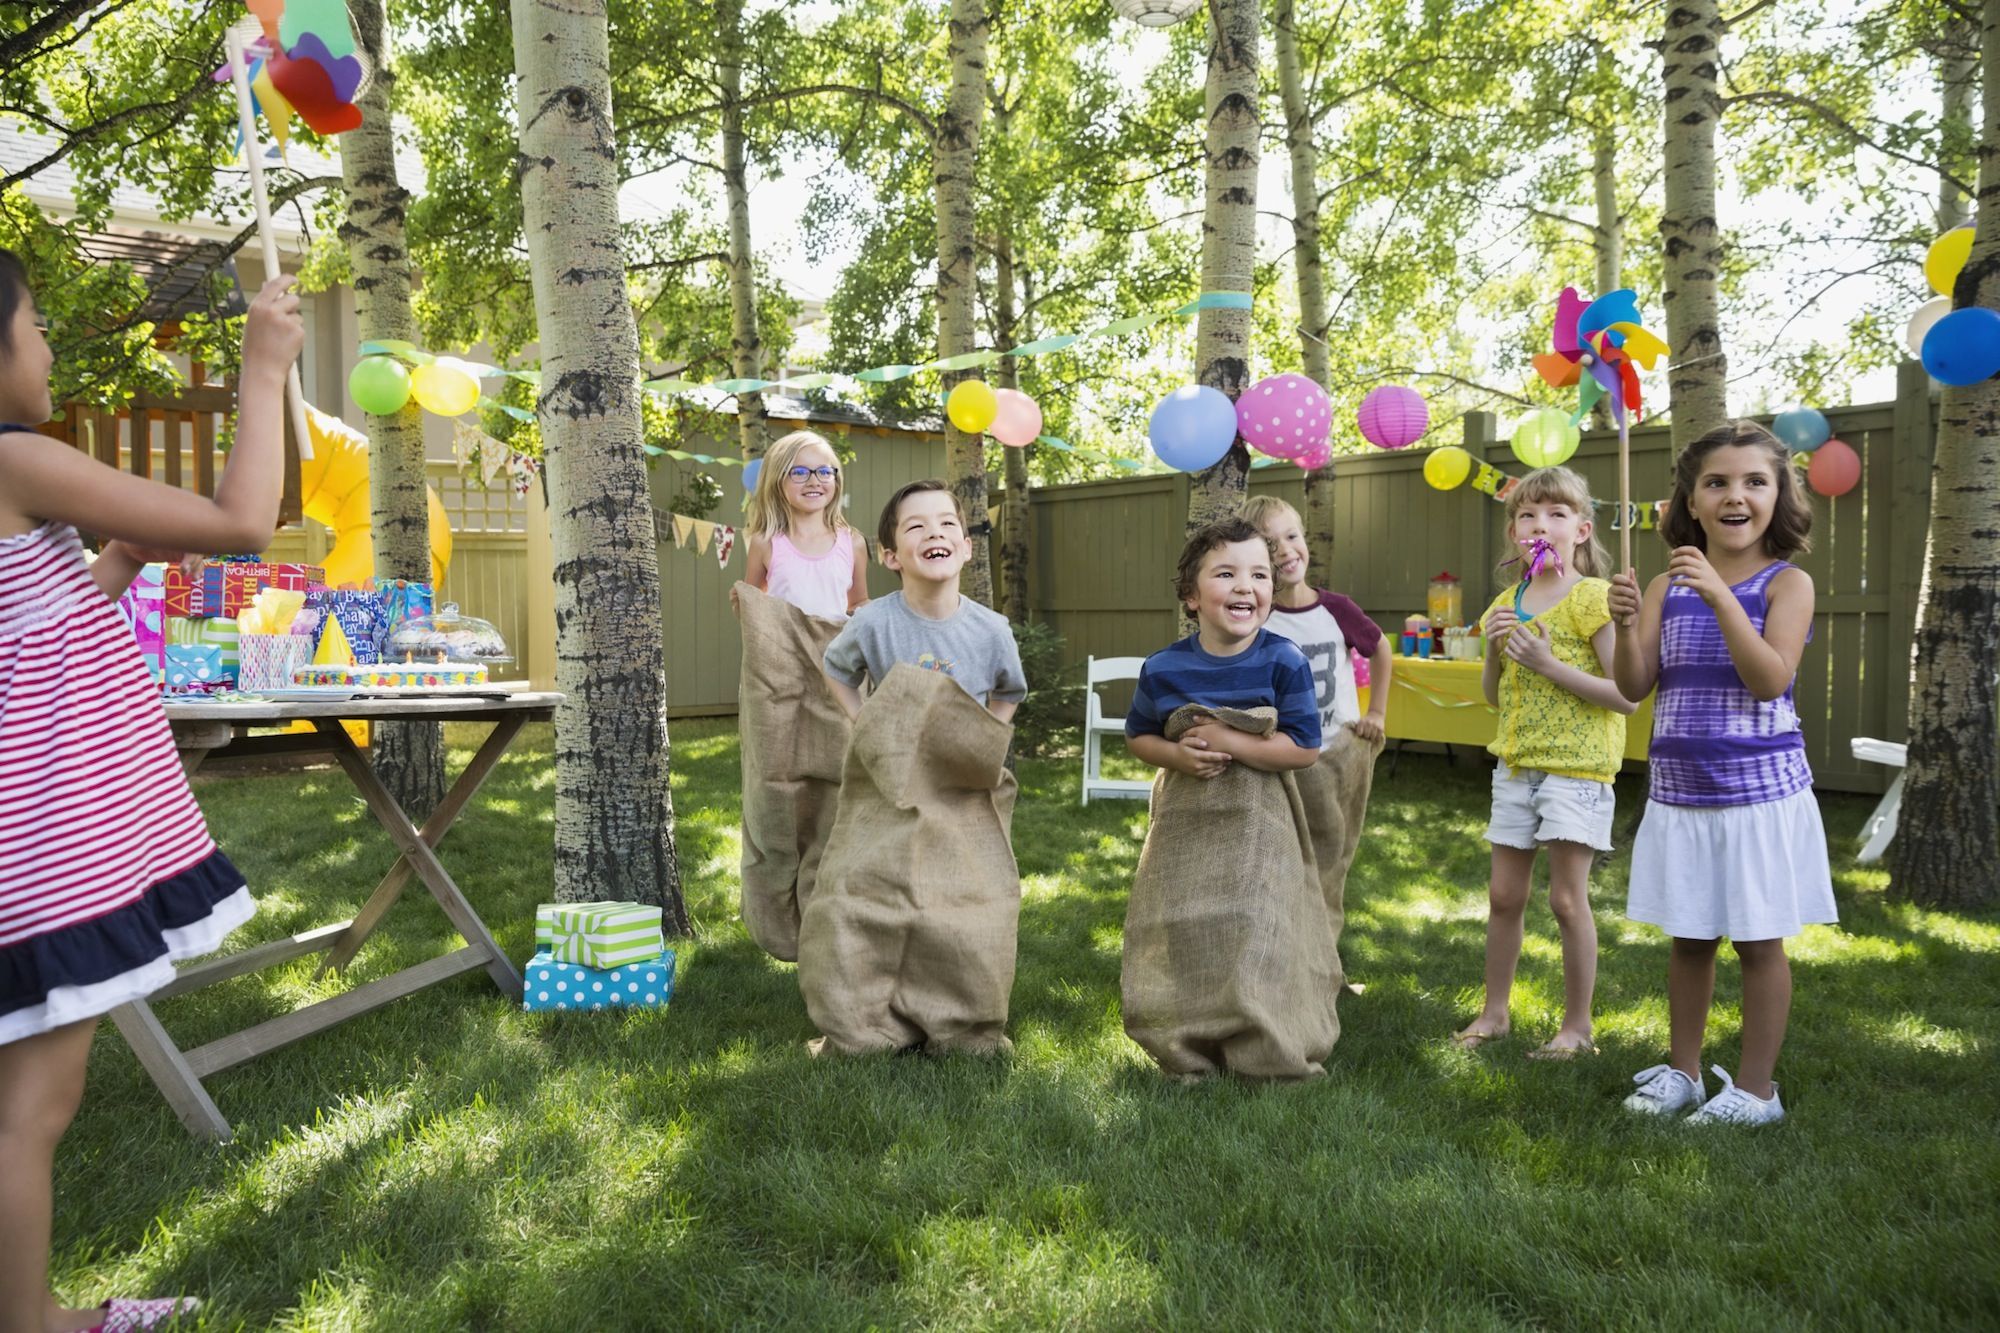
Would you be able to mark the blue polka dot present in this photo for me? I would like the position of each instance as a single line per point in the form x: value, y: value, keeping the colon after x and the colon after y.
x: 549, y: 986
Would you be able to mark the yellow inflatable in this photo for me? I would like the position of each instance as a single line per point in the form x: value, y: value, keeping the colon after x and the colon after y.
x: 333, y: 489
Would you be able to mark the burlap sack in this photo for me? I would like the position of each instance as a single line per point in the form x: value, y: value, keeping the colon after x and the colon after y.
x: 1230, y: 962
x: 908, y: 933
x: 794, y: 740
x: 1334, y: 792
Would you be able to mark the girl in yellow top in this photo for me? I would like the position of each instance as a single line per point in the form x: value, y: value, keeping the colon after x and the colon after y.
x: 1561, y: 740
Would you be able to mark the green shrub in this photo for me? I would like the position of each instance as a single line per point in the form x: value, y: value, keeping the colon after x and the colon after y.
x: 1050, y: 719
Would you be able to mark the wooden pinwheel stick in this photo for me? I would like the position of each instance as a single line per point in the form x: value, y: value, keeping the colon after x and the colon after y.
x: 253, y: 149
x: 1624, y: 492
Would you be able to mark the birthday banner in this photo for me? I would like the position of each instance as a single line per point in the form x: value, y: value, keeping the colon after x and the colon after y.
x: 1640, y: 516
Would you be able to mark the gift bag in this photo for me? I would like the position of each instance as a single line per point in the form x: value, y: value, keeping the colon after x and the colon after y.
x: 1334, y: 792
x: 907, y: 934
x: 143, y: 605
x: 794, y: 739
x: 268, y: 660
x: 1230, y: 963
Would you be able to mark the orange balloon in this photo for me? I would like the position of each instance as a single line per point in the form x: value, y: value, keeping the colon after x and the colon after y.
x: 1835, y: 469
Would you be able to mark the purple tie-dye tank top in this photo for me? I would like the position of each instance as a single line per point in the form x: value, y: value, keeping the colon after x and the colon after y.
x: 1714, y: 743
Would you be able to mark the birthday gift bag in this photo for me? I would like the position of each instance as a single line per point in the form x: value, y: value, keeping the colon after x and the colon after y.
x: 1230, y: 962
x: 794, y: 740
x: 143, y: 605
x: 908, y: 932
x: 1334, y: 792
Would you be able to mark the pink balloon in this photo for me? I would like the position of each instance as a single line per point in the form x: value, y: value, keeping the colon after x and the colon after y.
x: 1284, y: 415
x: 1835, y: 469
x: 1393, y: 416
x: 1018, y: 419
x: 1316, y: 457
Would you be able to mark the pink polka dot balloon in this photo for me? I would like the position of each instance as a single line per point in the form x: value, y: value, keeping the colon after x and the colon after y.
x: 1393, y: 416
x: 1316, y: 457
x: 1284, y: 415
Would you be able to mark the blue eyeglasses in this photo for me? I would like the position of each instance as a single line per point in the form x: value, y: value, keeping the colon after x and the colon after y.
x: 823, y: 473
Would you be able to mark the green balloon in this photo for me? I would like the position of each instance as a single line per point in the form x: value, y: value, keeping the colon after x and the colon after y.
x: 379, y: 385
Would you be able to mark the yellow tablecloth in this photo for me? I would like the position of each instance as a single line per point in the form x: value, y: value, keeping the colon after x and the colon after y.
x: 1432, y: 699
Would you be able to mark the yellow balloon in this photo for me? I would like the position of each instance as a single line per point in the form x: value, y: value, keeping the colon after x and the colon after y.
x: 1948, y: 255
x: 1447, y: 467
x: 972, y: 406
x: 443, y: 388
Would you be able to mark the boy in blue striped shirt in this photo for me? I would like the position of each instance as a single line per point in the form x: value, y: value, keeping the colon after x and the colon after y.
x: 1231, y: 661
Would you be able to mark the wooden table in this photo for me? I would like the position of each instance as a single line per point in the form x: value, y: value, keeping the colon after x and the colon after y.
x: 205, y: 730
x: 1434, y: 699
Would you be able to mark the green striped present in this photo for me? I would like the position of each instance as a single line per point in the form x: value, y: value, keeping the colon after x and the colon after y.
x: 603, y: 935
x: 217, y: 630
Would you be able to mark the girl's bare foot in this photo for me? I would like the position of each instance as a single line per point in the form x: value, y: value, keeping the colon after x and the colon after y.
x: 1565, y: 1045
x: 1478, y: 1033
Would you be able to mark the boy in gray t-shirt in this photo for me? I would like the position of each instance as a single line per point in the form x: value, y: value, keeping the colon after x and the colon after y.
x: 928, y: 624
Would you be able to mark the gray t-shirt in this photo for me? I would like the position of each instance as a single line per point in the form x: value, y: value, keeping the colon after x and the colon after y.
x: 975, y: 647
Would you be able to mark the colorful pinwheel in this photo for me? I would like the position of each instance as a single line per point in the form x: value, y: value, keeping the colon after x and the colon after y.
x: 304, y: 64
x: 1604, y: 338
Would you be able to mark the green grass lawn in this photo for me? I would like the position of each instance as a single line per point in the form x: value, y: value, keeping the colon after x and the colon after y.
x: 450, y: 1162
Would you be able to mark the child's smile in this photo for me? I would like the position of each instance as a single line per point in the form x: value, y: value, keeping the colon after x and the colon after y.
x: 930, y: 540
x: 1734, y: 497
x: 1232, y: 596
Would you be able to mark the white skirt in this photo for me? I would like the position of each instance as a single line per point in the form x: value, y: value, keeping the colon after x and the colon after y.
x: 1745, y: 872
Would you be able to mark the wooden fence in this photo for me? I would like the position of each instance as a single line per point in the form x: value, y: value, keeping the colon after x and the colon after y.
x: 1103, y: 555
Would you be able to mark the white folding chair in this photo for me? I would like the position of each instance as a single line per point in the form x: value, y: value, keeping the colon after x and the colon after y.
x: 1098, y: 671
x: 1881, y: 825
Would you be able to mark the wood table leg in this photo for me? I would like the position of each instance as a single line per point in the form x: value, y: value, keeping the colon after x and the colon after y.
x: 196, y: 741
x: 391, y: 888
x: 170, y: 1072
x: 422, y: 859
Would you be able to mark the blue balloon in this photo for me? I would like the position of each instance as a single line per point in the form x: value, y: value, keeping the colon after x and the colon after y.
x: 1963, y: 347
x: 1193, y: 427
x: 1802, y: 430
x: 751, y: 470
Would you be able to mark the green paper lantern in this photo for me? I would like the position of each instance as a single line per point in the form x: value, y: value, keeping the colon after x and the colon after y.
x: 1545, y: 438
x: 379, y: 385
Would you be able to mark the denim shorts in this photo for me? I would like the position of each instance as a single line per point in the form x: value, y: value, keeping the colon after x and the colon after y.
x: 1532, y: 807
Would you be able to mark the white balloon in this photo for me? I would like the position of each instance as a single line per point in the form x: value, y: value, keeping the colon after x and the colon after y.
x: 1929, y: 313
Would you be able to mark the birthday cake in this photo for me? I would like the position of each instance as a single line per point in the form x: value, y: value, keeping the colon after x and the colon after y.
x: 391, y: 675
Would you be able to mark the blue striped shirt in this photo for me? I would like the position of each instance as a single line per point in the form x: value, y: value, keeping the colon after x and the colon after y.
x: 1270, y: 673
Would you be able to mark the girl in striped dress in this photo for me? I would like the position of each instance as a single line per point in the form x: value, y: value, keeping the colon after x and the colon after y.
x: 1732, y: 842
x: 107, y: 872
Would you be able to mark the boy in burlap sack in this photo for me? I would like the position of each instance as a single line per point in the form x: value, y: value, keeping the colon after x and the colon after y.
x: 907, y: 935
x: 1230, y: 962
x: 794, y: 742
x: 1325, y: 625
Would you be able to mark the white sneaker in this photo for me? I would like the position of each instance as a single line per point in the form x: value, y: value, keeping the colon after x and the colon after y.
x: 1665, y: 1090
x: 1733, y: 1106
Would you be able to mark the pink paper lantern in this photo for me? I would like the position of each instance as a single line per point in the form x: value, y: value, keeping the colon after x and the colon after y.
x: 1393, y: 416
x: 1284, y: 415
x: 1835, y: 469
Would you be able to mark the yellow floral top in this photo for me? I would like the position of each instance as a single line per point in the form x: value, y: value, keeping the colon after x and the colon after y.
x: 1542, y: 725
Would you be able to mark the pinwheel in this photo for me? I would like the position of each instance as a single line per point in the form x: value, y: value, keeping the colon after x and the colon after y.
x: 1600, y: 346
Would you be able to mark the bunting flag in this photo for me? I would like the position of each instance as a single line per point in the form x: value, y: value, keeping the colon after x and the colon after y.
x: 703, y: 530
x: 1640, y: 516
x: 683, y: 528
x: 725, y: 542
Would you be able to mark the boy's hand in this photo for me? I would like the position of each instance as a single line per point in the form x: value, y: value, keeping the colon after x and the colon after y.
x: 1199, y: 758
x: 1530, y: 647
x: 1499, y: 623
x: 274, y: 333
x: 1690, y: 568
x: 1625, y: 598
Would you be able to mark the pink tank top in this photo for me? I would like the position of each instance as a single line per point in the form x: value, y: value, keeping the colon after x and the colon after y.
x: 817, y: 585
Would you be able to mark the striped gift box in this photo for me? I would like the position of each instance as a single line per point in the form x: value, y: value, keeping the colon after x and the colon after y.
x: 601, y: 935
x: 219, y: 632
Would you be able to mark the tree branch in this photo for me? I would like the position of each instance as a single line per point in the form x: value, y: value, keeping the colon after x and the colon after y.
x: 1833, y: 118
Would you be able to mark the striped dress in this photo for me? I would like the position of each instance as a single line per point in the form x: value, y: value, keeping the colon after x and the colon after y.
x: 107, y: 872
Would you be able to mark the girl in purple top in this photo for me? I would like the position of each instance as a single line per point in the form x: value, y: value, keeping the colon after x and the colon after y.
x: 1732, y: 842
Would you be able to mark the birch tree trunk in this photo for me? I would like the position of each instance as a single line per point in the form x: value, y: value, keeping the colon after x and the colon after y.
x: 1007, y: 375
x: 1306, y: 264
x: 1228, y: 239
x: 408, y: 756
x: 746, y: 346
x: 1947, y: 847
x: 1958, y: 87
x: 954, y: 160
x: 1697, y: 387
x: 614, y: 834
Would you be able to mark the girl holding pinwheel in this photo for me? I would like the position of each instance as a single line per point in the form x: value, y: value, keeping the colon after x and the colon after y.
x: 1561, y: 740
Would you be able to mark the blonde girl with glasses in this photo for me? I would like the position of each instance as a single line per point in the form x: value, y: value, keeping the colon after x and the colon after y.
x: 801, y: 548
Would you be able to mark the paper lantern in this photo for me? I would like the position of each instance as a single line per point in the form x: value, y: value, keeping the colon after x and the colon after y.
x: 1193, y: 427
x: 1017, y: 418
x: 1156, y: 13
x: 971, y: 406
x: 1947, y: 256
x: 1835, y: 469
x: 1545, y: 438
x: 1285, y: 416
x: 1448, y: 467
x: 1393, y: 416
x: 1964, y: 347
x: 1801, y: 429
